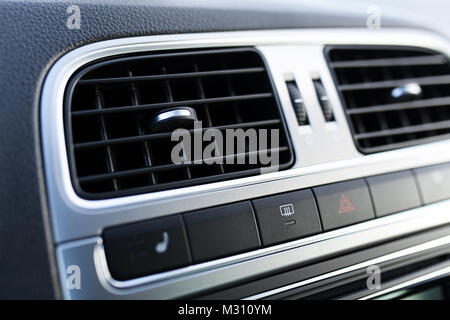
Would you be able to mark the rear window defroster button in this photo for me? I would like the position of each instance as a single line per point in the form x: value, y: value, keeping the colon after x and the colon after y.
x: 287, y: 216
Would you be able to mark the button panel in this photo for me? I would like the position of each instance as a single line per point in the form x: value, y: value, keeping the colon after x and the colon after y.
x: 287, y: 216
x: 393, y: 192
x: 147, y: 247
x: 434, y: 182
x: 222, y: 231
x: 344, y: 203
x: 163, y: 244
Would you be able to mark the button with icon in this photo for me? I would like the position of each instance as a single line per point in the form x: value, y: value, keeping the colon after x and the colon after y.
x: 146, y: 247
x: 344, y: 203
x: 287, y: 216
x: 161, y: 247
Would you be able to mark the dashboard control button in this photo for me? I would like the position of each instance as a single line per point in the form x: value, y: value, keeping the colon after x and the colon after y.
x: 143, y: 248
x: 344, y: 203
x: 221, y: 231
x: 393, y: 192
x: 434, y: 182
x: 287, y: 216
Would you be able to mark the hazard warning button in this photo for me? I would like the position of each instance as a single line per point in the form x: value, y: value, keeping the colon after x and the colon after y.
x: 344, y: 203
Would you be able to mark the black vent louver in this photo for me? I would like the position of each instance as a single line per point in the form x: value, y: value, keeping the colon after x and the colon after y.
x: 114, y: 150
x: 393, y: 96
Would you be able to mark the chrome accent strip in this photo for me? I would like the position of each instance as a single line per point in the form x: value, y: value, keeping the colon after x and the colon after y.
x: 395, y: 255
x: 173, y: 114
x: 404, y: 285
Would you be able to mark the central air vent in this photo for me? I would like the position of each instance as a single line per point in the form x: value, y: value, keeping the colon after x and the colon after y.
x: 393, y: 96
x: 121, y: 112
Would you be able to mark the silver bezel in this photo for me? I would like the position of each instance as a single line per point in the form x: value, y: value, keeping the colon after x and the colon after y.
x: 76, y: 218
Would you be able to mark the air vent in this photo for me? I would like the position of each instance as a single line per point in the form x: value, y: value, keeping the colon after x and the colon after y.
x: 393, y: 96
x: 121, y: 112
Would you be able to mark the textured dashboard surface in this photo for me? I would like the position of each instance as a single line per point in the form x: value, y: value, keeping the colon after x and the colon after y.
x: 34, y: 34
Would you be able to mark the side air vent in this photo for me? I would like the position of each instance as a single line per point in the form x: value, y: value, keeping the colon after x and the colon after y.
x: 393, y: 96
x: 121, y: 112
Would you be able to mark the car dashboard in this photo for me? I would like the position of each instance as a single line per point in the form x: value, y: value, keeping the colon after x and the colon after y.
x: 156, y: 150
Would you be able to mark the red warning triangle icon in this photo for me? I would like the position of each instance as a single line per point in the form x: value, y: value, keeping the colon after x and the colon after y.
x: 346, y: 205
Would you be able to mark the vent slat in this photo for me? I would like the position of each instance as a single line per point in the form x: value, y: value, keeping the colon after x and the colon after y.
x: 426, y: 103
x: 390, y: 62
x: 104, y: 135
x: 393, y: 96
x: 147, y: 137
x: 175, y: 54
x: 123, y: 145
x: 146, y: 147
x: 143, y: 107
x: 405, y: 130
x: 122, y: 174
x: 395, y: 83
x: 408, y: 143
x: 198, y: 74
x: 208, y: 119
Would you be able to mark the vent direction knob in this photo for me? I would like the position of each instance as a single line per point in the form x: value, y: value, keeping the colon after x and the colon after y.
x: 171, y: 119
x: 406, y: 91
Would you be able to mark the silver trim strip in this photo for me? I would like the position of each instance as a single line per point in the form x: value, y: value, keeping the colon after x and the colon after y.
x: 395, y: 255
x: 422, y: 279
